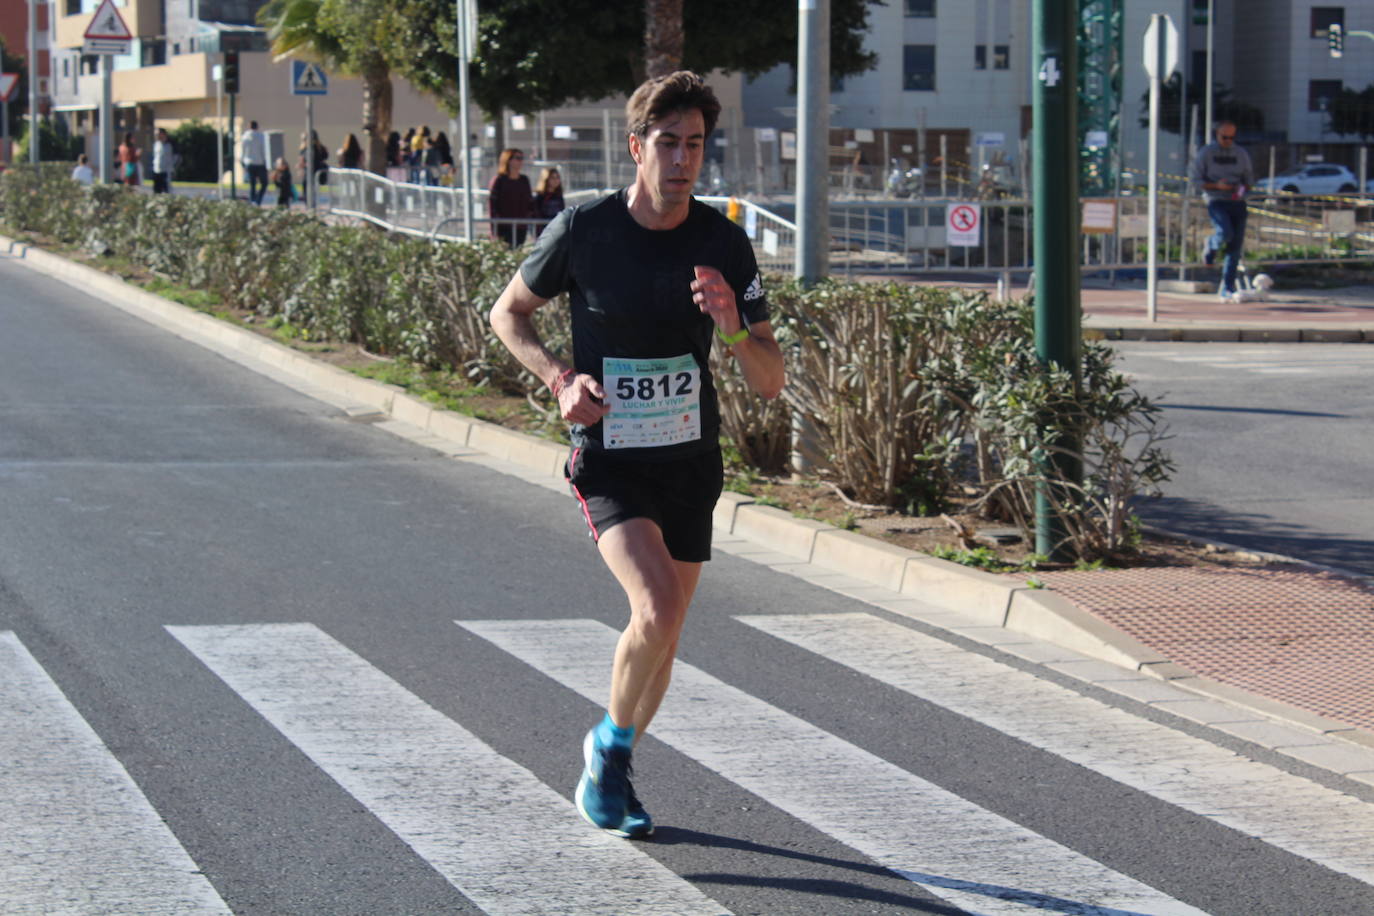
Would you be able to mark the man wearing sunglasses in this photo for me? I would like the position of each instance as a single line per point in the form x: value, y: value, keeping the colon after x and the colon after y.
x: 1222, y: 171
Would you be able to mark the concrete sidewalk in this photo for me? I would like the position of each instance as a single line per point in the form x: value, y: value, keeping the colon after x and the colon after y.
x: 1120, y: 311
x: 1344, y: 315
x: 1277, y: 655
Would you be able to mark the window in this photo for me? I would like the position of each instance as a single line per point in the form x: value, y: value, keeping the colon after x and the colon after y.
x: 1323, y: 16
x: 980, y: 57
x: 73, y: 7
x: 918, y: 68
x: 1199, y: 12
x: 1001, y: 57
x: 1321, y: 92
x: 920, y: 9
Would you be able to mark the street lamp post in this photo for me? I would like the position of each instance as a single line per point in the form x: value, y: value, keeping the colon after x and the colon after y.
x: 813, y: 140
x: 1208, y: 125
x: 1058, y: 335
x: 465, y: 42
x: 33, y: 82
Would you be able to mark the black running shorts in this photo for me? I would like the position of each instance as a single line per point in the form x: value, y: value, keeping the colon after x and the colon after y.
x: 679, y: 496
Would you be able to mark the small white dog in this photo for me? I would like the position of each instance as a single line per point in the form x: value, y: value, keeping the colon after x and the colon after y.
x: 1251, y: 290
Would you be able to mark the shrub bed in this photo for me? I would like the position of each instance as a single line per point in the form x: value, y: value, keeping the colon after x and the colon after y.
x: 900, y: 395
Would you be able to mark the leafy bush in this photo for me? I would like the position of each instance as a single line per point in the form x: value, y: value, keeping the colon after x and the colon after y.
x: 194, y: 142
x: 900, y: 395
x: 55, y: 143
x: 1089, y: 448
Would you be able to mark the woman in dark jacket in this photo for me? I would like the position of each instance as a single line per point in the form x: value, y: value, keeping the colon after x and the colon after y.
x: 509, y: 198
x: 351, y: 154
x: 548, y: 196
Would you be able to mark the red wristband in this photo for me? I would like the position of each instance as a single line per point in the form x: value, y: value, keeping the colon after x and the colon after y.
x: 562, y: 381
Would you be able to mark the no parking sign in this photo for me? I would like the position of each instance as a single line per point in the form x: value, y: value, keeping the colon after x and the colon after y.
x: 963, y: 225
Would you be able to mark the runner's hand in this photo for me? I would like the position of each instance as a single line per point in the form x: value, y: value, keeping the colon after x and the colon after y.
x: 583, y: 400
x: 716, y: 298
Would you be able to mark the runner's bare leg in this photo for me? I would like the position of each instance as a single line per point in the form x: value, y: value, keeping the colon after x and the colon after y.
x: 659, y: 589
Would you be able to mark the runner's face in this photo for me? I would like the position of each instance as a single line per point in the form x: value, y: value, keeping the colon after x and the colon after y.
x: 670, y: 156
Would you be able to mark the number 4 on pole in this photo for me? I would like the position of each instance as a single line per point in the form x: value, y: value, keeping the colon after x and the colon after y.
x: 1049, y: 72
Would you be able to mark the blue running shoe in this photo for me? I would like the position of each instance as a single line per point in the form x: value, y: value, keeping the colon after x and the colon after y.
x: 603, y: 792
x: 637, y: 823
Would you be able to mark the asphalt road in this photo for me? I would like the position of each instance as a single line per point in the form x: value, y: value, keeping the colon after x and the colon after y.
x: 345, y: 673
x: 1272, y: 445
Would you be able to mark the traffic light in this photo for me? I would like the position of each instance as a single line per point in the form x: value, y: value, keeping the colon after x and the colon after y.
x: 1335, y: 37
x: 231, y: 72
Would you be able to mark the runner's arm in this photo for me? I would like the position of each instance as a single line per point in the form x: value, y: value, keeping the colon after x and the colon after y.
x: 581, y: 398
x: 760, y: 357
x: 760, y: 360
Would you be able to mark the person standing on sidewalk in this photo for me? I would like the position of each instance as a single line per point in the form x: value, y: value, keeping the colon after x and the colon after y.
x: 653, y: 276
x: 1222, y: 171
x: 253, y: 155
x: 164, y: 159
x: 509, y: 198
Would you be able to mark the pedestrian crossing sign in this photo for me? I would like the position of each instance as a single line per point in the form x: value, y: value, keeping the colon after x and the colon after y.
x: 107, y: 33
x: 308, y: 79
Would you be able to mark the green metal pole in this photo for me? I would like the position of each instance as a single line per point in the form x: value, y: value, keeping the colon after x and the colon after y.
x: 1055, y: 163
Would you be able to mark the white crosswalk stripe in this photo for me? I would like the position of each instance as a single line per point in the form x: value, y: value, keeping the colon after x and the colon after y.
x: 436, y: 785
x: 1302, y: 817
x: 954, y: 848
x: 76, y: 833
x: 78, y: 836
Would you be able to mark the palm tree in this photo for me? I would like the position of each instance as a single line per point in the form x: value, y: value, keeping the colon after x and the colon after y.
x: 324, y: 31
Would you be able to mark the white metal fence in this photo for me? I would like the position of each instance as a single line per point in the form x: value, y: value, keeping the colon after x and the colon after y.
x: 437, y: 212
x: 903, y: 236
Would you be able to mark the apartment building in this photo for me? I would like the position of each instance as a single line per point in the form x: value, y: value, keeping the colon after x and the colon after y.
x: 962, y: 70
x: 14, y: 28
x: 168, y: 76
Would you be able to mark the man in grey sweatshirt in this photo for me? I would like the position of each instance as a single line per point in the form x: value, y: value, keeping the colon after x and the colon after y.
x: 1222, y: 171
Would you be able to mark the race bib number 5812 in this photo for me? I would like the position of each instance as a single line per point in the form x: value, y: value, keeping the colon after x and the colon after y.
x: 653, y: 402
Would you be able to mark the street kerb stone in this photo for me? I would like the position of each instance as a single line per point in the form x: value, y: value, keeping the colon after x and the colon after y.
x: 723, y: 516
x: 982, y: 596
x: 861, y: 557
x: 795, y: 537
x: 1054, y: 618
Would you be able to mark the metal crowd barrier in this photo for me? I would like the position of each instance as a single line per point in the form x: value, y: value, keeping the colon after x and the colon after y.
x: 907, y: 236
x: 912, y: 236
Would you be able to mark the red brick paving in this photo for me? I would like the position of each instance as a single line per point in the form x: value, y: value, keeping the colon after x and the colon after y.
x: 1303, y: 637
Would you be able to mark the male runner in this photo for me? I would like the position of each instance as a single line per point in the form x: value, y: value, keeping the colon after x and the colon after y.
x: 653, y: 275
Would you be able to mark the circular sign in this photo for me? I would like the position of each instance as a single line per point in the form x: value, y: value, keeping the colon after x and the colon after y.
x: 963, y: 218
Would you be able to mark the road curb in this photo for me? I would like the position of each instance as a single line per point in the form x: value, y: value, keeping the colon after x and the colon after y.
x: 987, y: 599
x: 1175, y: 333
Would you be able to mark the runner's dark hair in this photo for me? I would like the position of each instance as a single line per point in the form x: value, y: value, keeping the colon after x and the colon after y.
x: 662, y: 95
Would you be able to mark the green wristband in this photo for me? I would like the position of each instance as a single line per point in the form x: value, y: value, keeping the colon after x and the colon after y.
x: 732, y: 339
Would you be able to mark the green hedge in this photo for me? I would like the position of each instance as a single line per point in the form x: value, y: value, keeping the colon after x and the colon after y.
x: 901, y: 395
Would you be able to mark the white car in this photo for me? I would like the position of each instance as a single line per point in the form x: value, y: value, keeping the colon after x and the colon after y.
x: 1312, y: 178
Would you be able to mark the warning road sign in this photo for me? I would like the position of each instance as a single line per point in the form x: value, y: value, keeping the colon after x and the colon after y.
x: 308, y: 79
x: 8, y: 83
x: 107, y: 33
x: 108, y: 24
x: 963, y: 225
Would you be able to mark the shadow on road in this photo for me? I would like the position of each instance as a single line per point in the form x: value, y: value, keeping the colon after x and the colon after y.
x: 824, y: 887
x: 1265, y: 410
x: 1258, y: 531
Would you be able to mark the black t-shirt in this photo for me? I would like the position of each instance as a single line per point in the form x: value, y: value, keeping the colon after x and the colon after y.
x: 631, y: 297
